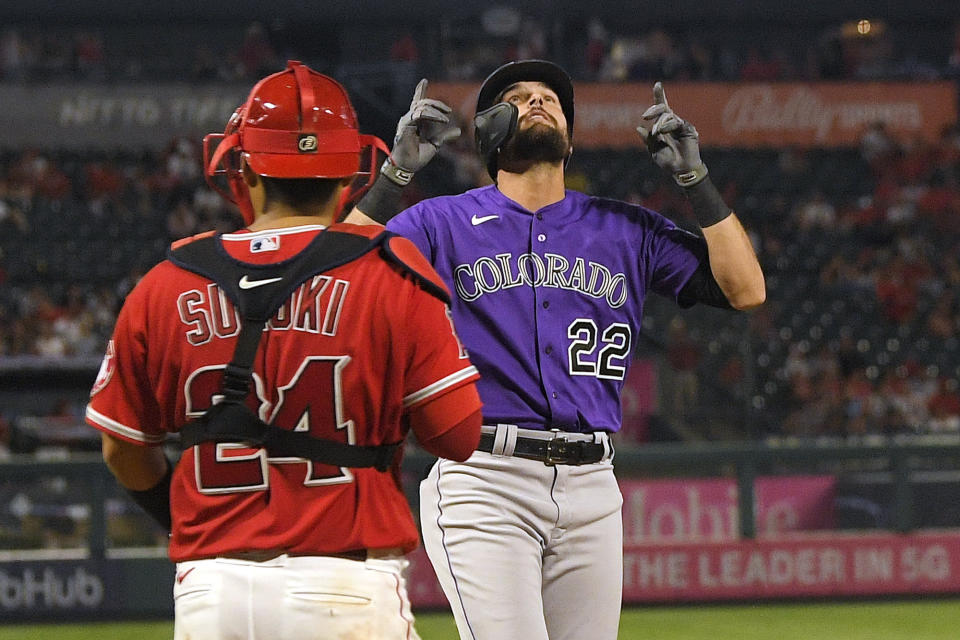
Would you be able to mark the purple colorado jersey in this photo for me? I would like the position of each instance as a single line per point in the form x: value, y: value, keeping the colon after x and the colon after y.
x: 549, y: 303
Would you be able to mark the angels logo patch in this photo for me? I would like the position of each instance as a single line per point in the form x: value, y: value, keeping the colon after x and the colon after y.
x: 107, y: 367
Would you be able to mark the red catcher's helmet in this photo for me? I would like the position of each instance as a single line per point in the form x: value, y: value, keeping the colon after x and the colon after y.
x: 295, y: 124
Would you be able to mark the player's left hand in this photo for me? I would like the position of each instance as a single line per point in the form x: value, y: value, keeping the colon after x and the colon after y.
x: 673, y: 142
x: 421, y: 131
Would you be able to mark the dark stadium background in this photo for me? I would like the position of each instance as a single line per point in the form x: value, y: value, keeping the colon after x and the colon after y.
x: 853, y: 360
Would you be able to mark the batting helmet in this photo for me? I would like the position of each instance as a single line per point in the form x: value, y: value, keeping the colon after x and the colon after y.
x: 494, y: 125
x: 295, y: 124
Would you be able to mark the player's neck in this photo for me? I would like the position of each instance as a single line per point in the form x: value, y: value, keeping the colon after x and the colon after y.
x: 535, y: 188
x: 280, y: 217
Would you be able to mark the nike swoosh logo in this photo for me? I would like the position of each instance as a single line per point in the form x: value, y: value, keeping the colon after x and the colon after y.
x: 181, y: 576
x: 247, y: 283
x: 475, y: 220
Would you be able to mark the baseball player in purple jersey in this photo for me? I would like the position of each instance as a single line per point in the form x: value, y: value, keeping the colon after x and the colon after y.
x: 526, y: 535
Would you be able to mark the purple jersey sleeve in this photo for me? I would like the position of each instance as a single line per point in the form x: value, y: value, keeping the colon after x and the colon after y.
x: 549, y: 303
x: 411, y: 226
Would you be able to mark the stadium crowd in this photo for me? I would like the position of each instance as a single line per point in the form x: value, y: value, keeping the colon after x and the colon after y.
x: 858, y: 335
x: 592, y: 47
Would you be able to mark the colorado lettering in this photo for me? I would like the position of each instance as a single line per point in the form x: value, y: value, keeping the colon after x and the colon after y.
x: 503, y: 271
x: 315, y: 307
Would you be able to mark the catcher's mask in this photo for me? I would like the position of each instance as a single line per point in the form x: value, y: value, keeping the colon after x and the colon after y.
x: 495, y: 122
x: 295, y: 124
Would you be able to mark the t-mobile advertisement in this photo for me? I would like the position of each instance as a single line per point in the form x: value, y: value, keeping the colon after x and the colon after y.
x: 681, y: 545
x: 706, y: 509
x: 793, y: 566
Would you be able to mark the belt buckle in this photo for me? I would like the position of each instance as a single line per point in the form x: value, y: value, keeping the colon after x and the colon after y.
x: 555, y: 456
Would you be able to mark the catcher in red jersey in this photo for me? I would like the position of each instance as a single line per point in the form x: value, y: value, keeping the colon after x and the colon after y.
x: 291, y: 357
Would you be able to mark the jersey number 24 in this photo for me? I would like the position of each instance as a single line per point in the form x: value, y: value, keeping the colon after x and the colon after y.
x: 310, y: 401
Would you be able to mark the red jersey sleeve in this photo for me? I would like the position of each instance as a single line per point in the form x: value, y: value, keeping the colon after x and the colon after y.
x: 437, y: 363
x: 121, y: 400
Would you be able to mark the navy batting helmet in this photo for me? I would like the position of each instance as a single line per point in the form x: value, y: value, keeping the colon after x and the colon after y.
x: 494, y: 124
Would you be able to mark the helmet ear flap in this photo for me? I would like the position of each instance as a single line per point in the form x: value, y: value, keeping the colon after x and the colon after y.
x: 221, y: 158
x: 365, y: 176
x: 241, y: 194
x: 491, y: 128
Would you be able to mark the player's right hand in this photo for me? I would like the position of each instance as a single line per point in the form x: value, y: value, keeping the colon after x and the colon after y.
x: 421, y: 131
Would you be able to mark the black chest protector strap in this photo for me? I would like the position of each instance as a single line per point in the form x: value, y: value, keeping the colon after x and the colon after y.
x: 258, y: 291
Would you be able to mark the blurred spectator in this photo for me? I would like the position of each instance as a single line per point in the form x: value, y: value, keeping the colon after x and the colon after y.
x: 942, y: 322
x: 405, y: 49
x: 596, y: 49
x: 531, y: 40
x: 816, y: 213
x: 944, y: 407
x: 11, y: 215
x: 182, y: 222
x: 953, y: 60
x: 877, y: 146
x: 683, y: 355
x: 15, y: 55
x: 104, y: 186
x: 207, y: 65
x: 896, y: 293
x: 90, y: 55
x: 624, y: 53
x: 761, y: 67
x: 49, y: 344
x: 698, y: 63
x: 257, y: 56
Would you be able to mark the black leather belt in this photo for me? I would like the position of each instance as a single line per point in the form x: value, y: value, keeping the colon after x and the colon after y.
x: 267, y: 555
x: 552, y: 451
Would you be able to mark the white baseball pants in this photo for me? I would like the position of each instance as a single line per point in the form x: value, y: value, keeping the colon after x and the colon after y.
x: 292, y: 598
x: 524, y: 550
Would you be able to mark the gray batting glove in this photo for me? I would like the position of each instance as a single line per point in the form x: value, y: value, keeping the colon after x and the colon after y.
x: 673, y: 142
x: 420, y: 133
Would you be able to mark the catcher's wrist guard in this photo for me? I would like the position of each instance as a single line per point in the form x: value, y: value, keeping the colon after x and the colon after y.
x: 156, y: 500
x: 382, y: 200
x: 708, y: 205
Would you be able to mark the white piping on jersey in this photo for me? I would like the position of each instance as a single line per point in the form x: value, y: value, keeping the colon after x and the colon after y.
x: 280, y: 231
x: 122, y: 429
x: 439, y: 385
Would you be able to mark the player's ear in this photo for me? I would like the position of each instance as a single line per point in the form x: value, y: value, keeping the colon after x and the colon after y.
x: 249, y: 175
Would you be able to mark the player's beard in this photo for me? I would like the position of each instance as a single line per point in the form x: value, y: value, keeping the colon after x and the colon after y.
x: 532, y: 145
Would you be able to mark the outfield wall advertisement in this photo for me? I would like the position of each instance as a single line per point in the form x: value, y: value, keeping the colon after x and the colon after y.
x: 680, y: 545
x: 792, y: 567
x: 85, y: 589
x: 726, y: 114
x: 824, y: 114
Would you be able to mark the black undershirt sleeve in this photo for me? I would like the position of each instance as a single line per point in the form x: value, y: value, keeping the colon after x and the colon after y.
x: 702, y: 287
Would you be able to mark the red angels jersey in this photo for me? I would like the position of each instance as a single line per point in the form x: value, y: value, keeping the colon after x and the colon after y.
x: 350, y: 352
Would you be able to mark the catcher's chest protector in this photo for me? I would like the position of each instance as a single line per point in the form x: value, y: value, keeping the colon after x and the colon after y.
x: 230, y: 420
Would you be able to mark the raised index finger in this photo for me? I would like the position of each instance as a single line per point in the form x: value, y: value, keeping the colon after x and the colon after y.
x: 419, y: 92
x: 659, y: 97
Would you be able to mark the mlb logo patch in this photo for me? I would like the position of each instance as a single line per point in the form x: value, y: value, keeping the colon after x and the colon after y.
x: 265, y: 243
